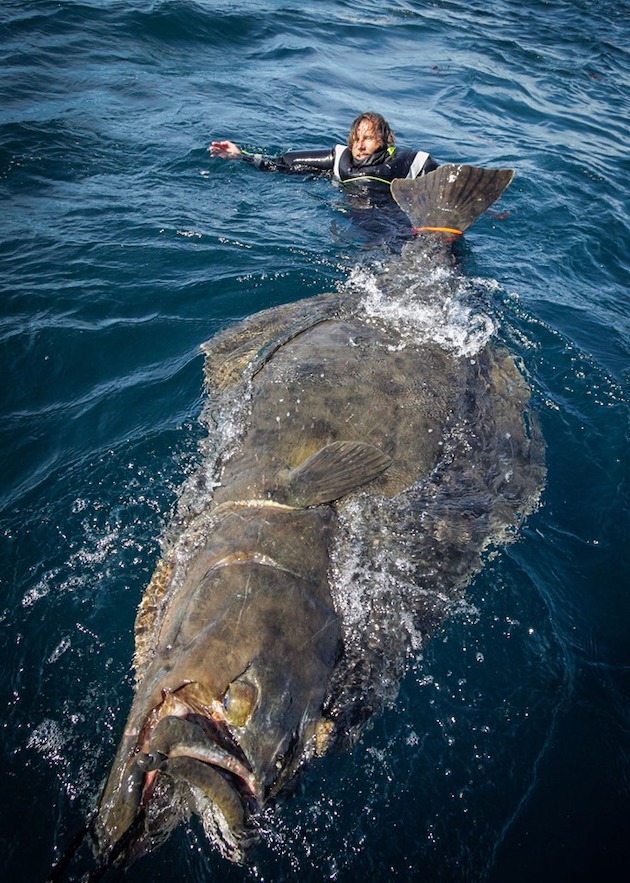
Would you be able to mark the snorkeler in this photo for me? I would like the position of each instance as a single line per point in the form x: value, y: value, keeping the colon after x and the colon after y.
x: 370, y: 157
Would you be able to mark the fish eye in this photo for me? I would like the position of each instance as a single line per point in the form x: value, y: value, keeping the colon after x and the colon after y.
x: 239, y: 701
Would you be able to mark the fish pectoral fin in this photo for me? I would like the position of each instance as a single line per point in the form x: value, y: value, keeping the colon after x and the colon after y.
x: 330, y: 473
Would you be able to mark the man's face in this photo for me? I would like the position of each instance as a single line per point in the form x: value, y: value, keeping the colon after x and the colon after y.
x: 365, y: 142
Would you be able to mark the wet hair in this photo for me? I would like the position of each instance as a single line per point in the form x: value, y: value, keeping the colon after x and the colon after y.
x: 381, y: 128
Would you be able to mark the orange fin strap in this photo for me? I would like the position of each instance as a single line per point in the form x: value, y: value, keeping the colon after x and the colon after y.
x: 437, y: 230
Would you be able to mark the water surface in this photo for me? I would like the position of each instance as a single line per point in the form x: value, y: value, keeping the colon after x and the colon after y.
x: 123, y: 247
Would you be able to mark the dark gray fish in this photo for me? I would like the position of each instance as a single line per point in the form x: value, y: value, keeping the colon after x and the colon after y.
x: 365, y: 448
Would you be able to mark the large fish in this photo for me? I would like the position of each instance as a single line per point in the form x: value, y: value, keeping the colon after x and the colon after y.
x: 362, y: 454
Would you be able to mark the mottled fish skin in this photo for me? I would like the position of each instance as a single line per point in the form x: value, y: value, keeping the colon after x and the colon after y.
x: 355, y: 472
x: 243, y: 647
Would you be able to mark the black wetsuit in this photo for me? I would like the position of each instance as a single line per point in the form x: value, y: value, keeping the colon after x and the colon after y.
x: 368, y: 183
x: 373, y: 174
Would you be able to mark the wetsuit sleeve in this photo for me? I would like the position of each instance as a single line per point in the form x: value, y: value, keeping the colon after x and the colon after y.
x: 297, y: 161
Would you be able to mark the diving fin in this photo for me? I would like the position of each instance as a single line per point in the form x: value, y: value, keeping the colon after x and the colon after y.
x: 450, y: 198
x: 330, y: 473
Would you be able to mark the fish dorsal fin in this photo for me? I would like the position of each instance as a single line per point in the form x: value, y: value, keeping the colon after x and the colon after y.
x: 330, y: 473
x: 238, y: 352
x: 451, y: 197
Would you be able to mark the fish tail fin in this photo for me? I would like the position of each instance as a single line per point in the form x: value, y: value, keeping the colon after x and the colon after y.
x: 450, y: 198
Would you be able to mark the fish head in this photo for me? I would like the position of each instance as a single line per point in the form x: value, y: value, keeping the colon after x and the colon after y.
x: 227, y: 711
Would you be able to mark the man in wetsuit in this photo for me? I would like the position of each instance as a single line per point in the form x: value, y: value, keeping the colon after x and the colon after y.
x: 370, y: 158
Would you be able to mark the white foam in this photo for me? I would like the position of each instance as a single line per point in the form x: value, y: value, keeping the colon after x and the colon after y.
x: 423, y: 303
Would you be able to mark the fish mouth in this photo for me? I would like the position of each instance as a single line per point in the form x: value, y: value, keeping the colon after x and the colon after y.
x: 201, y: 753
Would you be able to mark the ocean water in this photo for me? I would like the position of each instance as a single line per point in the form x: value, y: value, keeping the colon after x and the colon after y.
x: 123, y: 247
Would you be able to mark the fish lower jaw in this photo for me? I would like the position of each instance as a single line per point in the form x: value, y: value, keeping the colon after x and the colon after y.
x: 228, y: 810
x: 194, y: 754
x: 233, y: 844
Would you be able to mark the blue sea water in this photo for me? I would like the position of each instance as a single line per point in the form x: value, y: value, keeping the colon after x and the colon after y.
x: 123, y: 246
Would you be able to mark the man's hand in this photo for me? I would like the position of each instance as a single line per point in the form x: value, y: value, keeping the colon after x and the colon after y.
x: 224, y: 149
